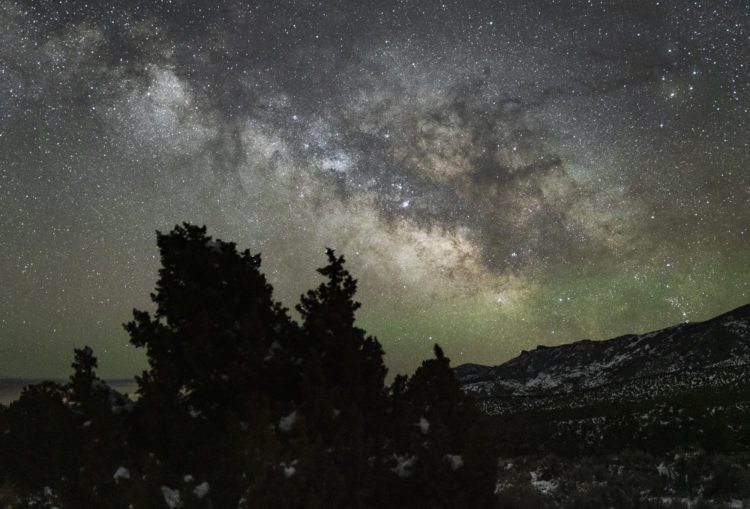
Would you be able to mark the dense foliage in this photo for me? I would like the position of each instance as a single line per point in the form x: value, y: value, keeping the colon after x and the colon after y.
x: 241, y: 406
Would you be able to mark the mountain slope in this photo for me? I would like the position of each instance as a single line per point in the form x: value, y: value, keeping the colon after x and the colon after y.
x: 683, y: 356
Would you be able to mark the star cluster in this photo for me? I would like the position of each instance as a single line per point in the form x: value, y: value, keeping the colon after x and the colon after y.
x: 498, y: 174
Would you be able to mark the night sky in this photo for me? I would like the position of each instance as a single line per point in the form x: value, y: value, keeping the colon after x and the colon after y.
x: 498, y: 174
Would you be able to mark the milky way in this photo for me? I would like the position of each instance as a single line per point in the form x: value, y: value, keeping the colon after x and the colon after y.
x: 497, y: 174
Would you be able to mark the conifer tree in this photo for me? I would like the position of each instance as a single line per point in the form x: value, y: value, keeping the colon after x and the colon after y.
x: 336, y: 352
x: 39, y: 443
x: 98, y: 414
x: 215, y: 327
x: 87, y: 391
x: 441, y: 453
x: 341, y: 394
x: 215, y: 321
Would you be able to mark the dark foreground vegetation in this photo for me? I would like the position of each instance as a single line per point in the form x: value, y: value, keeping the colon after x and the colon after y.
x: 243, y: 407
x: 685, y: 451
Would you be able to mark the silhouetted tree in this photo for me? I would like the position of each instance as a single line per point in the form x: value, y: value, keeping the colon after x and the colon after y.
x: 99, y: 418
x: 215, y: 327
x: 340, y: 401
x: 442, y: 456
x: 338, y: 357
x: 39, y: 444
x: 87, y: 393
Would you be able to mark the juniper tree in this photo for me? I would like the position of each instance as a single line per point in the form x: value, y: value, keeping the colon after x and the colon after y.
x: 341, y: 397
x: 215, y: 322
x: 441, y: 453
x: 87, y: 390
x: 39, y: 443
x: 338, y: 357
x: 208, y: 344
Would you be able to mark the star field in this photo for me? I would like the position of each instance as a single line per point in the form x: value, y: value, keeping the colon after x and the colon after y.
x: 498, y: 174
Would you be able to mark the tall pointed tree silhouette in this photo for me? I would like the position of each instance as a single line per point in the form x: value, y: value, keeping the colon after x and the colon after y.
x: 341, y: 396
x: 346, y: 362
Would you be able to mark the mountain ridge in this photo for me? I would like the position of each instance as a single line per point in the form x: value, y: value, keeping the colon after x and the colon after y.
x: 586, y: 365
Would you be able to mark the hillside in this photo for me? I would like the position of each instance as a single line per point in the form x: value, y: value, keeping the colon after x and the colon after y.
x: 635, y: 367
x: 651, y: 420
